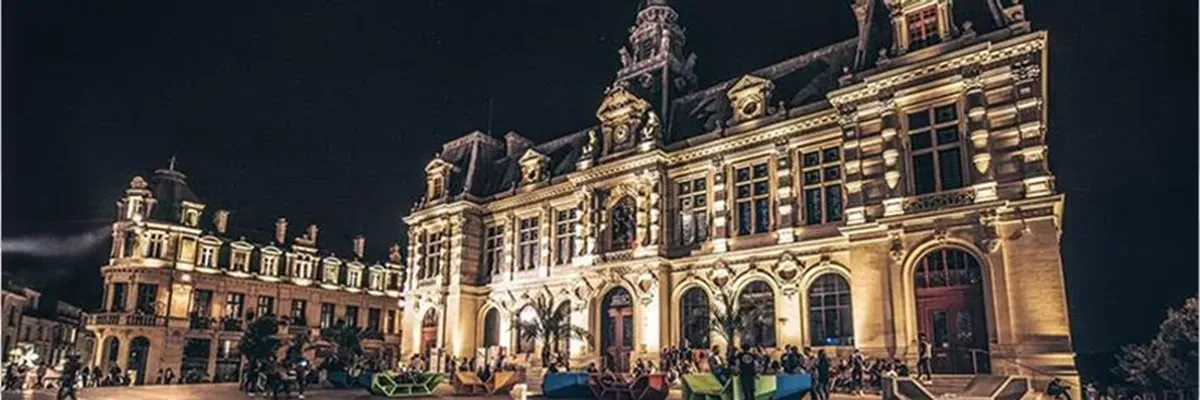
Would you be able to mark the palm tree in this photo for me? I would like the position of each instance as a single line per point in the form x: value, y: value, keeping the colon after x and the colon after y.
x: 550, y: 326
x: 259, y: 341
x: 730, y: 321
x: 346, y: 341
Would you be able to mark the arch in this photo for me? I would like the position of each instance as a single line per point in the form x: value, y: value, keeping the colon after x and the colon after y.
x: 830, y: 311
x: 759, y: 294
x: 524, y: 344
x: 563, y: 345
x: 622, y: 224
x: 617, y: 330
x: 429, y: 330
x: 946, y: 284
x: 111, y: 351
x: 694, y: 314
x: 490, y: 327
x: 677, y: 292
x: 139, y: 354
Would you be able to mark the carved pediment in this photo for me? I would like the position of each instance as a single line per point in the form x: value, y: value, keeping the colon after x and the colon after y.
x: 749, y: 97
x: 533, y: 166
x: 621, y: 115
x: 437, y: 165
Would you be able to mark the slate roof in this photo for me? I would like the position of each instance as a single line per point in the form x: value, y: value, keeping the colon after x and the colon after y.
x: 169, y: 188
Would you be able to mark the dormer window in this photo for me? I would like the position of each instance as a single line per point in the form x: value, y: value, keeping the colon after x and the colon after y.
x: 270, y: 265
x: 331, y: 273
x: 303, y: 267
x: 436, y: 176
x: 533, y: 166
x: 436, y: 188
x: 354, y: 277
x: 156, y: 244
x: 208, y: 256
x: 749, y: 97
x: 241, y: 261
x: 923, y: 27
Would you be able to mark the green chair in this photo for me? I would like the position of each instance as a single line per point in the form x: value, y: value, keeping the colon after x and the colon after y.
x: 703, y: 387
x: 384, y: 384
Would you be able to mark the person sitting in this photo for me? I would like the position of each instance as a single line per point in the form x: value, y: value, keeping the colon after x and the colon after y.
x: 591, y: 368
x: 1058, y: 390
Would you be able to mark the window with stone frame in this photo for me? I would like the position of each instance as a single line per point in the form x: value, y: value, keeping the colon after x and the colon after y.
x: 208, y: 257
x: 564, y: 235
x: 240, y: 261
x: 352, y: 316
x: 156, y: 245
x: 922, y: 27
x: 434, y: 247
x: 435, y: 188
x: 299, y: 312
x: 935, y: 148
x: 692, y: 194
x: 752, y: 198
x: 527, y: 244
x: 233, y: 304
x: 327, y: 310
x: 493, y: 249
x: 266, y: 306
x: 623, y: 224
x: 821, y: 185
x: 270, y: 265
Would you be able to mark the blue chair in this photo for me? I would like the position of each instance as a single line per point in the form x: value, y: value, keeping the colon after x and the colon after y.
x: 569, y: 385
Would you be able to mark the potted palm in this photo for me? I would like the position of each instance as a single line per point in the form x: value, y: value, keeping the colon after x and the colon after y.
x: 549, y: 327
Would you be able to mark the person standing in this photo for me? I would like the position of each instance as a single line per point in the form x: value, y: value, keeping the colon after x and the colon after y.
x: 857, y: 364
x: 70, y: 375
x: 924, y: 358
x: 169, y: 376
x: 747, y: 367
x: 821, y: 388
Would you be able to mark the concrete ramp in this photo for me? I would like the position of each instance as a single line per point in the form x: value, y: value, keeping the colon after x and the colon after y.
x: 981, y: 387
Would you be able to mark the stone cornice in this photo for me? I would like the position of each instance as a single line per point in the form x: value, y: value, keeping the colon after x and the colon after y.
x: 982, y: 53
x: 767, y: 134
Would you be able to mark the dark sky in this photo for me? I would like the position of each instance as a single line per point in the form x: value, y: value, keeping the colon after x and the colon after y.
x: 327, y: 112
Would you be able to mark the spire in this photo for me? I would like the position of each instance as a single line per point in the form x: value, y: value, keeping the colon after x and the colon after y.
x: 171, y: 165
x: 654, y: 66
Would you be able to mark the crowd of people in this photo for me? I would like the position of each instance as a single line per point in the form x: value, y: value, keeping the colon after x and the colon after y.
x: 20, y: 376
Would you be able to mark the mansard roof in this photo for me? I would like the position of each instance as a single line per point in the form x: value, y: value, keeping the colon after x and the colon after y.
x: 169, y: 188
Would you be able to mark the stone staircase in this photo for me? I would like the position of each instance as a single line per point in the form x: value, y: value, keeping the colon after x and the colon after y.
x: 948, y: 384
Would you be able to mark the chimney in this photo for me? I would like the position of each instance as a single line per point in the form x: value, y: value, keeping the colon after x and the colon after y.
x: 281, y: 230
x: 360, y: 244
x: 394, y: 253
x: 221, y: 220
x: 515, y: 143
x: 311, y: 233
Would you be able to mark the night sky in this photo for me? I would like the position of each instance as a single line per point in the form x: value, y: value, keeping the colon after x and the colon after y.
x: 328, y: 111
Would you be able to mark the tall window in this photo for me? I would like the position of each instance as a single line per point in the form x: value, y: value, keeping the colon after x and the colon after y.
x: 923, y: 27
x: 374, y: 315
x: 352, y: 315
x: 241, y: 261
x: 266, y: 306
x: 118, y: 297
x: 206, y: 257
x: 752, y: 199
x: 299, y: 312
x: 326, y: 315
x: 822, y: 174
x: 234, y: 303
x: 693, y: 211
x: 147, y: 296
x: 391, y: 321
x: 270, y: 265
x: 201, y: 301
x: 564, y: 235
x: 433, y: 255
x: 694, y: 316
x: 303, y: 267
x: 493, y: 249
x: 435, y: 188
x: 623, y: 224
x: 353, y: 276
x: 830, y: 320
x: 758, y: 296
x: 936, y: 149
x: 156, y: 245
x: 528, y: 244
x: 491, y: 328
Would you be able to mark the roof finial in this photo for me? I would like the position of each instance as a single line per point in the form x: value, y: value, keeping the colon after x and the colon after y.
x: 171, y: 166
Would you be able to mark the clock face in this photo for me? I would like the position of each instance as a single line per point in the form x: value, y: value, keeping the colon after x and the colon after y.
x: 621, y: 134
x: 749, y: 108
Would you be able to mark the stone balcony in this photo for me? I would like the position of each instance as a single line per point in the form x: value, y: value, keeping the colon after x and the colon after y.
x: 125, y: 319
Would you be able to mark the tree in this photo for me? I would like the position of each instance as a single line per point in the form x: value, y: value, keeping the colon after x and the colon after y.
x: 730, y: 321
x: 1168, y: 360
x: 549, y: 327
x: 259, y: 342
x: 347, y: 345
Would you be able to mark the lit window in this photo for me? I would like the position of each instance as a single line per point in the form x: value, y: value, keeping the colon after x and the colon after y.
x: 528, y: 244
x: 206, y: 257
x: 829, y: 318
x: 241, y: 261
x: 326, y: 315
x: 352, y: 316
x: 752, y: 199
x: 266, y: 306
x: 435, y: 188
x: 760, y: 297
x: 493, y: 249
x: 936, y: 149
x: 299, y: 308
x: 233, y: 305
x: 821, y: 172
x: 923, y: 27
x: 564, y: 236
x: 270, y: 265
x: 352, y: 278
x: 156, y: 245
x: 433, y: 256
x: 693, y: 211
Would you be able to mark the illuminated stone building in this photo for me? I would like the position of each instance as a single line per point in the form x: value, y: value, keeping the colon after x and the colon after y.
x: 891, y: 184
x: 179, y: 287
x: 41, y: 331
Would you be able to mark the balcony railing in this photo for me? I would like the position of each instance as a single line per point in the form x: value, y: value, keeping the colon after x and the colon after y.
x: 199, y: 322
x: 939, y: 200
x: 231, y: 325
x: 130, y: 319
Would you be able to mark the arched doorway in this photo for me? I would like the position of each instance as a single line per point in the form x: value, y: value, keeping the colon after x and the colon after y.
x: 623, y: 225
x: 563, y: 345
x: 491, y: 328
x: 112, y: 350
x: 694, y: 318
x: 759, y: 296
x: 139, y: 352
x: 950, y: 313
x: 524, y: 342
x: 429, y: 332
x: 616, y: 324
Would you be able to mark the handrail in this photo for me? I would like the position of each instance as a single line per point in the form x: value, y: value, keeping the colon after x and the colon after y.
x: 1010, y: 359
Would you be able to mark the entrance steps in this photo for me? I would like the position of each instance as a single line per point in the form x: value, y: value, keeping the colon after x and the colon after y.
x: 964, y: 387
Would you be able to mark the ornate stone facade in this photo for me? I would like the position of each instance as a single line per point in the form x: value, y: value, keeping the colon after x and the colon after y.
x: 178, y: 291
x: 900, y: 188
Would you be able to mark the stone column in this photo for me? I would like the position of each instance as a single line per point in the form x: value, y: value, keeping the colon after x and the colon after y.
x: 856, y: 210
x: 1028, y: 92
x: 785, y: 199
x: 893, y: 150
x: 585, y: 235
x: 720, y: 207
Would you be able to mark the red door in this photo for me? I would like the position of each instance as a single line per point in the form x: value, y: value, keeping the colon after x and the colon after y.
x: 621, y: 334
x: 953, y: 323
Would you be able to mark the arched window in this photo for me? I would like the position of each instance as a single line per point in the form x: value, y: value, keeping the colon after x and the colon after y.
x: 623, y: 225
x: 694, y: 317
x: 830, y: 321
x: 112, y: 347
x: 946, y: 268
x: 525, y: 342
x: 757, y: 297
x: 563, y: 312
x: 491, y: 328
